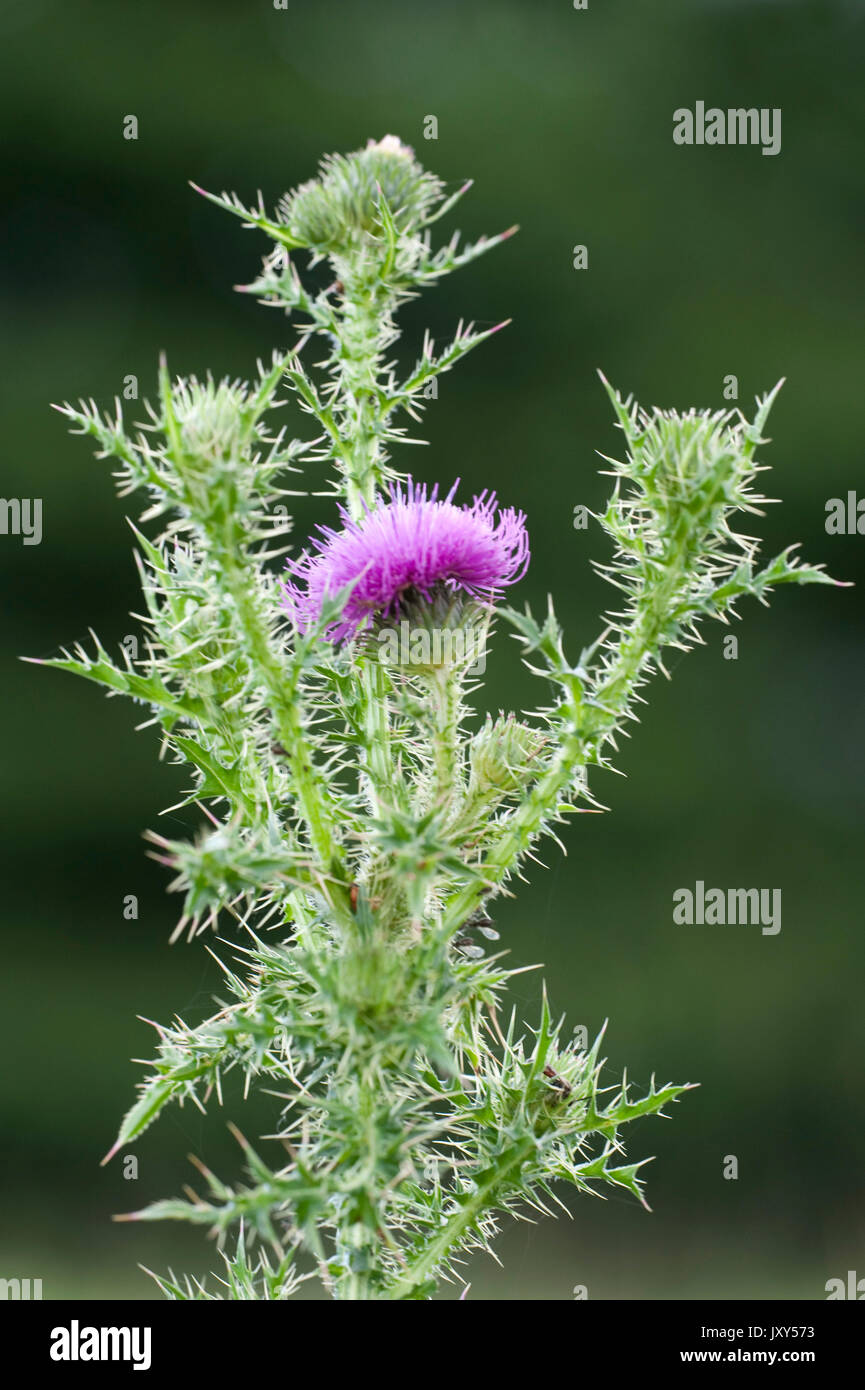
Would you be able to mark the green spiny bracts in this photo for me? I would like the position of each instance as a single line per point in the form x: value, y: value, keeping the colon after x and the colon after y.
x: 345, y: 207
x: 504, y: 755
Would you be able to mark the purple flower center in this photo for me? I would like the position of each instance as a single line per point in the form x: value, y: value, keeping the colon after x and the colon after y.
x: 410, y: 544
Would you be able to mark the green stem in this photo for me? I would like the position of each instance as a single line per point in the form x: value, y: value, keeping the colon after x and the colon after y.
x: 444, y: 686
x: 362, y: 327
x: 311, y: 792
x: 384, y: 791
x: 488, y: 1191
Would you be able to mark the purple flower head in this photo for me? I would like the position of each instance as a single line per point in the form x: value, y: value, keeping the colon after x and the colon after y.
x: 410, y: 545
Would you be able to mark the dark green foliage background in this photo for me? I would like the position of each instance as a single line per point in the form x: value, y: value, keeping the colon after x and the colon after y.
x: 702, y: 262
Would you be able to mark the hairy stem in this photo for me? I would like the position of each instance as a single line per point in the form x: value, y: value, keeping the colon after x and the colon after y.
x: 445, y: 699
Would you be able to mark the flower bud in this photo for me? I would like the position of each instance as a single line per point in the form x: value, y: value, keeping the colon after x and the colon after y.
x: 504, y: 755
x: 335, y: 212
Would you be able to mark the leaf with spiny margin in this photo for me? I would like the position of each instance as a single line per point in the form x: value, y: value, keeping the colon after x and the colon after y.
x: 430, y: 367
x: 296, y: 1191
x: 621, y: 1110
x: 546, y: 1034
x: 597, y: 1170
x: 783, y: 569
x: 156, y: 1093
x: 449, y: 258
x: 251, y: 217
x: 217, y: 780
x: 149, y: 689
x: 391, y: 234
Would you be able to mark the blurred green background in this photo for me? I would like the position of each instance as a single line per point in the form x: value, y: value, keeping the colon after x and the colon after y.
x: 702, y: 263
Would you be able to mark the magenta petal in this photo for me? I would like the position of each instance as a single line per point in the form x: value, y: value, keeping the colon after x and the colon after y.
x: 411, y: 541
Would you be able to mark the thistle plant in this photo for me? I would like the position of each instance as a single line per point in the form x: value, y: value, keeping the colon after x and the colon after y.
x: 358, y: 819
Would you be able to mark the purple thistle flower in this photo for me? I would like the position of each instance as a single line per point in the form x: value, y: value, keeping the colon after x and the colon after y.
x: 411, y: 545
